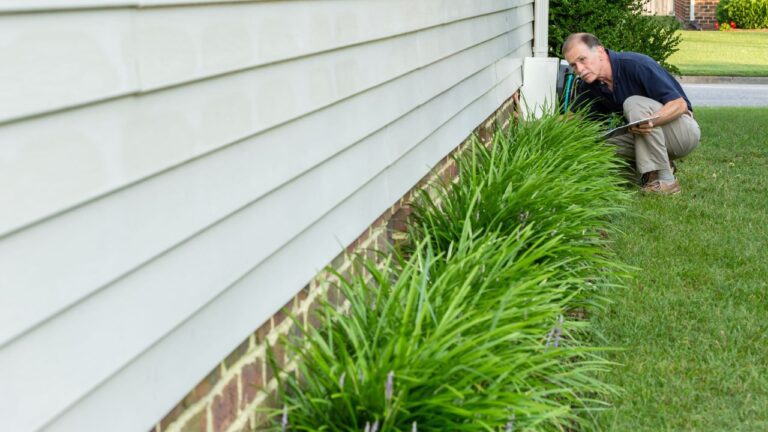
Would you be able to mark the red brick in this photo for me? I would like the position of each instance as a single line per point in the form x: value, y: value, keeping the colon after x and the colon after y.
x: 399, y: 220
x: 484, y: 134
x: 224, y: 407
x: 172, y: 416
x: 382, y: 243
x: 200, y: 391
x: 204, y: 387
x: 334, y: 295
x: 453, y: 170
x: 358, y: 241
x: 237, y: 354
x: 339, y: 260
x: 263, y: 331
x: 252, y: 382
x: 303, y: 294
x: 278, y: 351
x: 381, y: 220
x: 198, y: 422
x: 279, y: 317
x: 313, y: 314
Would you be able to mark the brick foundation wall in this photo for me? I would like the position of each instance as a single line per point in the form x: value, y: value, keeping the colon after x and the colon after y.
x: 704, y: 12
x: 226, y: 399
x: 683, y: 10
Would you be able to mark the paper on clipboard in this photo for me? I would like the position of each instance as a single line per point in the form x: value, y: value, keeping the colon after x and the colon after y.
x: 625, y: 127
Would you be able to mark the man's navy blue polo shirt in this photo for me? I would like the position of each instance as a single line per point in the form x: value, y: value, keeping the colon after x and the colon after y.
x: 634, y: 74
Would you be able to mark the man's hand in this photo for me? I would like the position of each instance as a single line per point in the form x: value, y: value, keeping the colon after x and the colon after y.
x: 668, y: 112
x: 642, y: 129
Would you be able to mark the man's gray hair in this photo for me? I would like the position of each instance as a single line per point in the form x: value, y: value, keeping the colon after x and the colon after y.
x: 591, y: 41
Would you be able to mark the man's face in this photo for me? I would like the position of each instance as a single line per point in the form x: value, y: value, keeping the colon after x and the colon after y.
x: 587, y: 63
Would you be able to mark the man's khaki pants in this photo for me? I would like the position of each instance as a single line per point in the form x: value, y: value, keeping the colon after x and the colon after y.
x: 653, y: 152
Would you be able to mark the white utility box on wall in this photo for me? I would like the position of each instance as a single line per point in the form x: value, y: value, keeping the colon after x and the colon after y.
x: 539, y: 93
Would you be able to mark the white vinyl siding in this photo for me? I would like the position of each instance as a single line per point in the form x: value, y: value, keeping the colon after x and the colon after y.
x: 171, y: 175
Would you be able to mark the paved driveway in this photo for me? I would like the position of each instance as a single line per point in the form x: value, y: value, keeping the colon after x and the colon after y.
x: 727, y: 94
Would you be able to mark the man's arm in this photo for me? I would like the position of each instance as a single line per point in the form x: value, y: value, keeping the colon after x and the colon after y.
x: 669, y: 112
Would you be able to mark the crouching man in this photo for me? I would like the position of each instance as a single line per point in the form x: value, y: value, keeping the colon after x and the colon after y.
x: 635, y: 86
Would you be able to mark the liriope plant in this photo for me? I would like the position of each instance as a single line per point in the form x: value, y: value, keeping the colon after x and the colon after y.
x: 553, y: 175
x: 557, y: 175
x: 472, y: 341
x: 471, y: 329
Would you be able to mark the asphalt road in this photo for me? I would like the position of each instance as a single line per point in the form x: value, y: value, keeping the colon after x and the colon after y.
x: 727, y: 94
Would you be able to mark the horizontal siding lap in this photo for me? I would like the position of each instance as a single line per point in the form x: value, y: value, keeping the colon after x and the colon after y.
x: 51, y: 62
x: 441, y: 9
x: 201, y: 38
x: 127, y: 140
x: 315, y: 247
x: 147, y: 218
x: 18, y: 6
x: 62, y: 60
x: 416, y: 163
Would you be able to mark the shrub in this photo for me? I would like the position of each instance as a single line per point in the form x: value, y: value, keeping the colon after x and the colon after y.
x: 618, y: 23
x: 720, y: 14
x: 747, y: 14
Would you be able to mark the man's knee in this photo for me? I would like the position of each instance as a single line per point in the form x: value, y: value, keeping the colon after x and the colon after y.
x: 639, y: 107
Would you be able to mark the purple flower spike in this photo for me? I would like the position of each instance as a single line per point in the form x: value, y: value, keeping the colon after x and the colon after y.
x: 553, y: 337
x: 389, y: 387
x: 510, y: 423
x: 284, y: 422
x: 558, y: 331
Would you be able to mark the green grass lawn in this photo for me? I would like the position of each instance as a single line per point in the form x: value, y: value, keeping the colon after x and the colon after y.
x: 723, y: 53
x: 694, y: 323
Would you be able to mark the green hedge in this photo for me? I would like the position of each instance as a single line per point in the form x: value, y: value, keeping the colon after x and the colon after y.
x: 472, y: 328
x: 619, y: 24
x: 746, y: 14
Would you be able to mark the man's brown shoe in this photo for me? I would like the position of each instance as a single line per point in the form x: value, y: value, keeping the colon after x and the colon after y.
x: 662, y: 187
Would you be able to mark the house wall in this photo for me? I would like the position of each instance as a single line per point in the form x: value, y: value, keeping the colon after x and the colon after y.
x: 659, y: 7
x: 683, y: 10
x: 703, y: 10
x: 705, y: 13
x: 172, y: 173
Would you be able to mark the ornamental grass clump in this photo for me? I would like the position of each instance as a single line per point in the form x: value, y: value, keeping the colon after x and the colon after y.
x: 471, y: 328
x: 463, y: 342
x: 555, y: 176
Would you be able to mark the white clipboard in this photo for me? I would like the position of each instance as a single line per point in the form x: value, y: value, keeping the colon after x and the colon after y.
x: 625, y: 127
